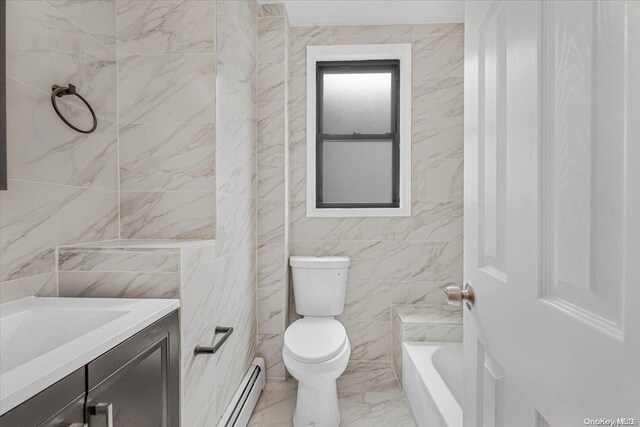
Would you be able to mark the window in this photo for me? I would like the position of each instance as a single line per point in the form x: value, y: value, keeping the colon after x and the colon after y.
x: 358, y: 130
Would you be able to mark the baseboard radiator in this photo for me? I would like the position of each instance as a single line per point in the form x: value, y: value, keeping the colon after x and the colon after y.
x: 244, y: 401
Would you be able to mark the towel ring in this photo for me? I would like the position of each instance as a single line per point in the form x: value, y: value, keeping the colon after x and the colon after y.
x: 59, y: 92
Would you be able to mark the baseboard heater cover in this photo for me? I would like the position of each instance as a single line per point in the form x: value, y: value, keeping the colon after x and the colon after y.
x: 244, y: 401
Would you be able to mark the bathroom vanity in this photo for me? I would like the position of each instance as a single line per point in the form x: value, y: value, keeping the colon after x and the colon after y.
x: 123, y: 368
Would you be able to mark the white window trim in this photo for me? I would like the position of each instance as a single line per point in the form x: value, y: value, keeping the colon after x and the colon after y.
x: 402, y: 52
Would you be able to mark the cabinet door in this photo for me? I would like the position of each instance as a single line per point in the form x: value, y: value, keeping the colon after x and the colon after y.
x: 136, y: 383
x: 60, y: 405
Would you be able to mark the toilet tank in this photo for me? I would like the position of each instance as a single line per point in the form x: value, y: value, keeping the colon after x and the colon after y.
x: 319, y: 284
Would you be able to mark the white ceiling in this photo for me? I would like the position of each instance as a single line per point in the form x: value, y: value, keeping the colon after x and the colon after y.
x: 371, y: 12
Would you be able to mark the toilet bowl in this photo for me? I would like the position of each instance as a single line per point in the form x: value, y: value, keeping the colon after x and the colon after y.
x: 316, y: 352
x: 316, y: 348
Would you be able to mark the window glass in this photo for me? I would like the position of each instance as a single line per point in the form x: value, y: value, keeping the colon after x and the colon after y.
x: 357, y: 171
x: 357, y: 102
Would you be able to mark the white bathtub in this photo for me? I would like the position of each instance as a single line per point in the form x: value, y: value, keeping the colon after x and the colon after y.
x: 432, y: 382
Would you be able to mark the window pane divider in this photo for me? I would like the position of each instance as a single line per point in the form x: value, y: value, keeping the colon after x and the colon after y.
x: 357, y: 136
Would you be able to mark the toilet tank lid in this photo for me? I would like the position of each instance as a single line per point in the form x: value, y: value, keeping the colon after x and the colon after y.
x: 319, y: 262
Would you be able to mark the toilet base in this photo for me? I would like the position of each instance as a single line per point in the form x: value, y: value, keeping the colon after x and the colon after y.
x: 317, y: 405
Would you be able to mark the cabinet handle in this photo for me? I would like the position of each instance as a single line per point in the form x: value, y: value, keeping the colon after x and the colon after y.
x: 105, y: 409
x: 78, y: 425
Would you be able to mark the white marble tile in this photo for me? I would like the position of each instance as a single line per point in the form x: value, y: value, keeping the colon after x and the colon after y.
x: 271, y: 303
x: 236, y: 140
x: 298, y: 180
x: 33, y: 27
x: 270, y: 83
x: 436, y: 314
x: 437, y: 221
x: 352, y: 31
x: 370, y: 340
x: 297, y: 139
x: 372, y: 300
x: 438, y: 55
x: 274, y: 409
x: 437, y: 180
x: 119, y: 261
x: 167, y: 215
x: 371, y: 228
x: 437, y: 138
x: 269, y: 24
x: 207, y: 296
x: 361, y: 377
x: 271, y: 124
x: 271, y: 10
x: 194, y: 256
x: 429, y: 293
x: 376, y: 409
x: 36, y: 217
x: 236, y: 59
x: 271, y: 42
x: 118, y: 284
x: 167, y: 88
x: 272, y: 263
x: 167, y: 157
x: 438, y: 97
x: 298, y: 103
x: 303, y: 227
x: 270, y: 220
x: 271, y: 176
x: 451, y: 28
x: 96, y: 17
x: 434, y: 262
x: 396, y: 339
x: 444, y: 333
x: 236, y: 226
x: 270, y: 348
x: 42, y: 285
x: 147, y: 27
x: 42, y: 148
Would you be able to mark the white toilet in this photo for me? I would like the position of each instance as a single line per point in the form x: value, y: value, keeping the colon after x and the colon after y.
x: 316, y: 348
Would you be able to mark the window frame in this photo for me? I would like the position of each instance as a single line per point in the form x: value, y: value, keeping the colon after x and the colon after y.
x: 360, y: 67
x: 377, y: 56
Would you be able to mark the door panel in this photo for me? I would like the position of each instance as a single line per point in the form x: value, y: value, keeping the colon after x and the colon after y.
x: 552, y: 211
x: 583, y: 171
x: 492, y: 142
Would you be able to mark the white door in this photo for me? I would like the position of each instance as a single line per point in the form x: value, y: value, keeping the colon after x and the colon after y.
x: 552, y: 212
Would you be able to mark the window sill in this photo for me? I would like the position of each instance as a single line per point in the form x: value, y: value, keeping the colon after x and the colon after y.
x: 402, y: 211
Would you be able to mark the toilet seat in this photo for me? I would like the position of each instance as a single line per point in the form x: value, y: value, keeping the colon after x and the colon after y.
x: 315, y: 340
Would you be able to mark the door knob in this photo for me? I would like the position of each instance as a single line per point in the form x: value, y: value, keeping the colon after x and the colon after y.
x: 455, y: 295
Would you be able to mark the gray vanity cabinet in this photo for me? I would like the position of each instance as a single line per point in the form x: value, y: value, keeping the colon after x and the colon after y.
x: 135, y: 384
x: 60, y: 405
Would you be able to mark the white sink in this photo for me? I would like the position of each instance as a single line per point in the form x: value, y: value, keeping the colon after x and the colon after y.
x: 44, y: 339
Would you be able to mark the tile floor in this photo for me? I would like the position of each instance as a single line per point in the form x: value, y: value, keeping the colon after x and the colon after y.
x: 370, y: 396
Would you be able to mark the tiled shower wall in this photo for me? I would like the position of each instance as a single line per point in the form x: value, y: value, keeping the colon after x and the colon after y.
x: 273, y: 189
x: 166, y: 54
x: 393, y: 260
x: 63, y: 186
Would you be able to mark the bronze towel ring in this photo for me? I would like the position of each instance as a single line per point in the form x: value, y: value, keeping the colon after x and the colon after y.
x: 59, y: 92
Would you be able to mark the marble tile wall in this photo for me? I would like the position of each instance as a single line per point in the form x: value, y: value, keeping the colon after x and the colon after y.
x: 187, y: 89
x: 273, y: 190
x: 394, y: 260
x: 422, y: 323
x: 223, y: 291
x: 63, y: 185
x: 166, y: 54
